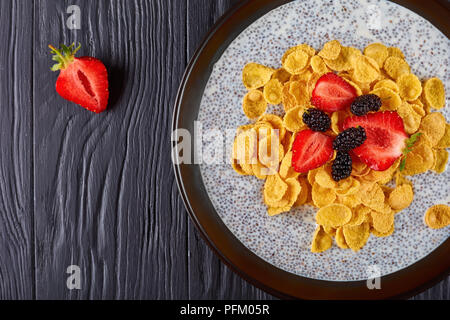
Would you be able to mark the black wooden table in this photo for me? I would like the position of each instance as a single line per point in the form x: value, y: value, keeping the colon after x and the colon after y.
x: 98, y: 191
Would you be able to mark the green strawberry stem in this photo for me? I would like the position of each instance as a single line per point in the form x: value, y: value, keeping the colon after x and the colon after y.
x: 63, y: 56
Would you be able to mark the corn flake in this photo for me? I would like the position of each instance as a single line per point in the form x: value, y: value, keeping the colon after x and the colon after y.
x: 378, y: 52
x: 273, y: 91
x: 387, y: 83
x: 395, y: 67
x: 409, y: 86
x: 440, y: 160
x: 334, y: 215
x: 254, y: 104
x: 293, y: 119
x: 296, y: 62
x: 390, y: 100
x: 434, y: 93
x: 356, y: 236
x: 322, y: 197
x: 401, y: 197
x: 321, y: 240
x: 366, y: 69
x: 433, y: 125
x: 255, y: 75
x: 438, y: 216
x: 330, y: 50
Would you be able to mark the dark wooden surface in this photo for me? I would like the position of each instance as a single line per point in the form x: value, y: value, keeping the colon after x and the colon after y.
x: 98, y: 191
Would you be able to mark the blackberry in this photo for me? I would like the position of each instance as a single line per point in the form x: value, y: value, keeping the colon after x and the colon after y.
x: 342, y: 166
x: 316, y: 120
x: 349, y: 139
x: 365, y: 103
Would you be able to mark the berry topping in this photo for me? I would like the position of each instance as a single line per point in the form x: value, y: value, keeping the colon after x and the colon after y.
x: 316, y: 120
x: 349, y: 139
x: 310, y: 150
x: 342, y: 166
x: 386, y: 138
x: 332, y: 93
x: 365, y: 103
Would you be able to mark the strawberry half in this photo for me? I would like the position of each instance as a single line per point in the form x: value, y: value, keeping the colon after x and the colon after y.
x: 310, y: 150
x: 386, y: 138
x: 332, y: 93
x: 81, y: 80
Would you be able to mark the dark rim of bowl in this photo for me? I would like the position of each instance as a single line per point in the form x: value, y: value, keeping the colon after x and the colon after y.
x: 401, y: 284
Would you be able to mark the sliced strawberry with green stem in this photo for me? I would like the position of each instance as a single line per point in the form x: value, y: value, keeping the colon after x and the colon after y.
x: 332, y: 93
x: 83, y: 80
x: 310, y: 150
x: 386, y: 138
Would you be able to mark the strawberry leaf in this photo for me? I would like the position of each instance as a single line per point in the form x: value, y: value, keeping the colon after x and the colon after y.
x: 409, y: 146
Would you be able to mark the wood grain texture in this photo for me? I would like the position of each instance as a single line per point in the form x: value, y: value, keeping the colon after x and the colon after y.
x: 98, y: 191
x: 105, y: 195
x: 209, y: 278
x: 16, y: 216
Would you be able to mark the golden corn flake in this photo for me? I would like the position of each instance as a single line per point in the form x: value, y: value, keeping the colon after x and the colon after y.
x: 321, y: 241
x: 372, y: 196
x: 387, y: 83
x: 440, y: 160
x: 382, y: 222
x: 378, y: 52
x: 359, y: 215
x: 381, y: 234
x: 275, y: 121
x: 419, y: 160
x: 255, y: 75
x: 434, y: 93
x: 330, y: 50
x: 281, y: 75
x: 237, y: 167
x: 303, y: 76
x: 354, y: 85
x: 438, y: 216
x: 409, y: 86
x: 299, y: 90
x: 293, y: 120
x: 433, y: 126
x: 304, y: 192
x: 329, y: 230
x: 390, y: 100
x: 337, y: 119
x: 401, y: 197
x: 287, y: 98
x: 261, y: 172
x: 333, y: 215
x: 350, y: 201
x: 304, y: 47
x: 323, y: 177
x: 318, y: 65
x: 340, y: 239
x: 289, y: 198
x: 322, y: 197
x: 395, y: 52
x: 395, y: 67
x: 445, y: 140
x: 296, y: 61
x: 270, y: 152
x: 273, y: 91
x: 344, y: 61
x: 411, y: 119
x: 274, y: 189
x: 356, y: 236
x: 254, y: 104
x: 418, y: 109
x: 347, y: 187
x: 286, y: 170
x: 366, y: 69
x: 245, y: 147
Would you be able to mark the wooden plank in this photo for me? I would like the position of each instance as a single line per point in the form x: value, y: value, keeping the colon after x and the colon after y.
x: 16, y: 214
x: 105, y: 195
x: 209, y: 278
